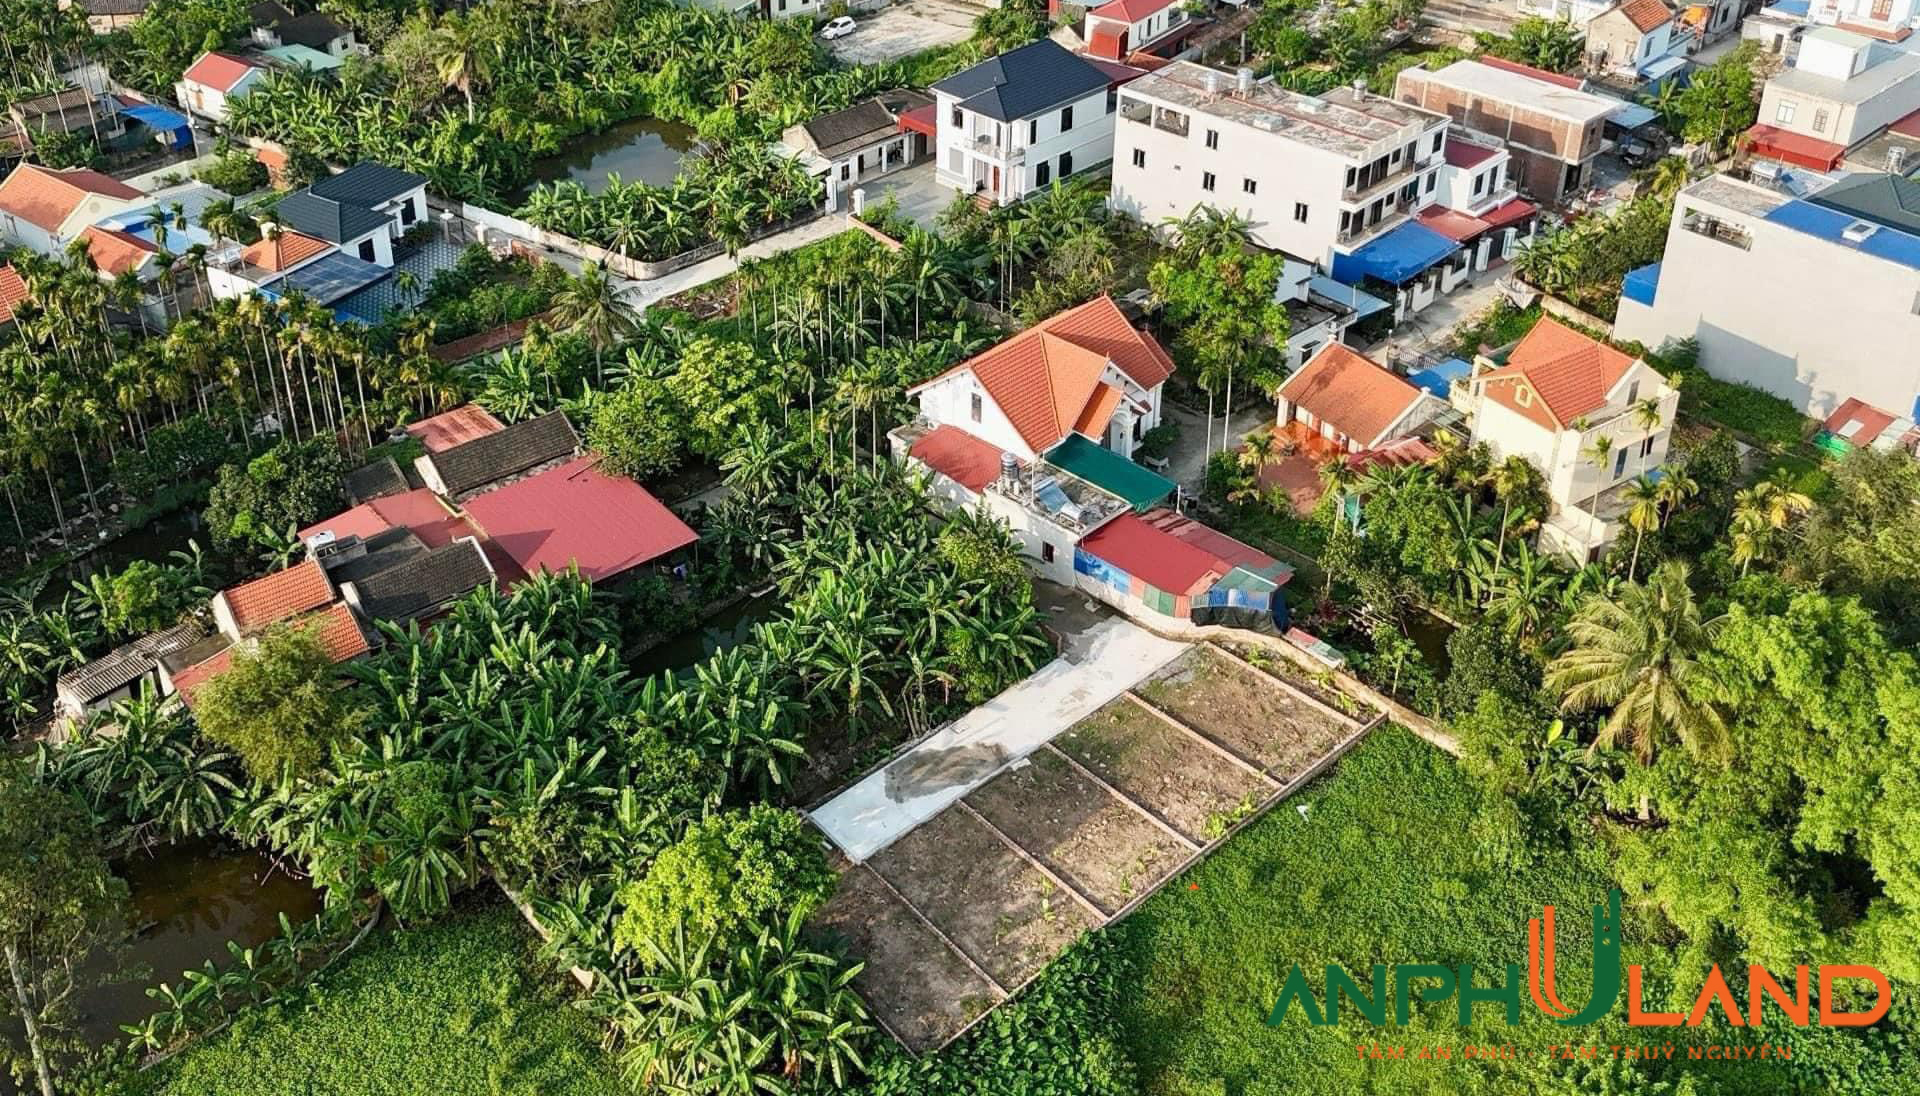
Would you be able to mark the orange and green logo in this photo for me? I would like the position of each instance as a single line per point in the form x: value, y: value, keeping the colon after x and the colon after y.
x: 1430, y: 983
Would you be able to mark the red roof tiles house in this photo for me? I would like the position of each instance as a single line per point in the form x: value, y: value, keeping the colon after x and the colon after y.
x: 219, y: 71
x: 254, y: 605
x: 419, y: 510
x: 46, y: 198
x: 13, y: 291
x: 285, y: 250
x: 1569, y: 372
x: 1646, y: 15
x: 576, y: 515
x: 1044, y: 378
x: 1131, y: 11
x: 115, y: 252
x: 1857, y: 423
x: 339, y: 632
x: 1359, y: 398
x: 959, y: 456
x: 456, y: 427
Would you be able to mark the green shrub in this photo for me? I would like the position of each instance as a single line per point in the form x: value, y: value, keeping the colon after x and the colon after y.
x: 1762, y: 416
x: 728, y: 873
x: 257, y: 504
x: 237, y: 173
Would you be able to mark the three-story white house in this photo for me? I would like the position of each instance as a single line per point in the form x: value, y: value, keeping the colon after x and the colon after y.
x: 1015, y: 123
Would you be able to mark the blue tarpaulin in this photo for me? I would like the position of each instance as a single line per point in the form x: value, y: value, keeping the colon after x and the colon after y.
x: 1396, y: 258
x: 1641, y: 284
x: 1363, y: 304
x: 1439, y: 379
x: 159, y: 119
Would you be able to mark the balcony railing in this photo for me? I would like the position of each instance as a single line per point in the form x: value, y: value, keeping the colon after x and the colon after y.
x: 1715, y: 229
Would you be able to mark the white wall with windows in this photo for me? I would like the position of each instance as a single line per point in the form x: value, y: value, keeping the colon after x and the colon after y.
x: 1007, y: 160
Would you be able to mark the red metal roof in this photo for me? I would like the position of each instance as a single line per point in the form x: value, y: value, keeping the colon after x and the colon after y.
x: 486, y: 342
x: 1107, y: 42
x: 574, y: 514
x: 1130, y: 11
x: 1212, y: 541
x: 1467, y: 153
x: 1795, y: 148
x: 1872, y: 422
x: 456, y: 427
x: 959, y: 456
x: 1908, y: 126
x: 219, y: 71
x: 1454, y: 225
x: 419, y: 510
x: 1550, y: 77
x: 298, y: 589
x: 1512, y: 212
x: 1155, y: 556
x: 1117, y: 73
x: 920, y: 120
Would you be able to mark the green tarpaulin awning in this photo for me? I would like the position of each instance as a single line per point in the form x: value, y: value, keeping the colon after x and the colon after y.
x: 1108, y: 470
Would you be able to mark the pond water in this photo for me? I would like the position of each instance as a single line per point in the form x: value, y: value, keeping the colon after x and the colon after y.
x: 1430, y: 634
x: 639, y: 150
x: 684, y: 650
x: 188, y: 900
x: 156, y: 541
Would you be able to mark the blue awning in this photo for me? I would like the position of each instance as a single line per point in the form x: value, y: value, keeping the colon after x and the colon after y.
x: 1395, y: 258
x: 1641, y: 284
x: 1362, y: 303
x: 1632, y: 115
x: 158, y: 118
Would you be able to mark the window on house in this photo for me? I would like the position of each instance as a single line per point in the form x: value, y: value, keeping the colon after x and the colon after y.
x: 1346, y: 221
x: 1043, y: 174
x: 1249, y: 186
x: 1113, y: 99
x: 1066, y: 164
x: 1066, y: 119
x: 1300, y: 212
x: 1916, y: 304
x: 975, y: 408
x: 1633, y: 392
x: 1396, y: 156
x: 1206, y: 180
x: 1213, y: 138
x: 1438, y: 138
x: 1620, y: 463
x: 1646, y: 447
x: 1033, y: 130
x: 1784, y: 112
x: 1046, y: 552
x: 407, y: 214
x: 366, y: 250
x: 1820, y: 121
x: 1139, y: 157
x: 959, y: 119
x: 1479, y: 185
x: 1523, y: 395
x: 1350, y: 177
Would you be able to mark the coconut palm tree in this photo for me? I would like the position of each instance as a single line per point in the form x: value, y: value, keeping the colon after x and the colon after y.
x: 462, y: 55
x: 590, y: 303
x: 1599, y: 453
x: 1512, y: 479
x: 1636, y: 654
x: 1643, y: 513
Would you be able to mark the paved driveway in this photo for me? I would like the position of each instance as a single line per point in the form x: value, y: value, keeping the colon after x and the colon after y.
x: 906, y: 29
x: 920, y: 195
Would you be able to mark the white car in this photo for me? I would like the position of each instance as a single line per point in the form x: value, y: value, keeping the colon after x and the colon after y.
x: 838, y: 28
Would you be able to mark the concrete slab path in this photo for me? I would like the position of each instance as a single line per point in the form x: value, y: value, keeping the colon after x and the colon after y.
x: 890, y: 802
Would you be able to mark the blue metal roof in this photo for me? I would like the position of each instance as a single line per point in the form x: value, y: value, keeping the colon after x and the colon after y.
x: 1886, y: 243
x: 329, y: 278
x: 1395, y: 258
x: 1796, y: 8
x: 160, y: 118
x: 1364, y: 304
x: 1641, y: 284
x: 1439, y: 379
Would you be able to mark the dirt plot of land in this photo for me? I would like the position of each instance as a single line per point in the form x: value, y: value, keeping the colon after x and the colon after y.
x: 1098, y: 844
x: 906, y: 29
x: 914, y: 982
x: 1005, y: 914
x: 1191, y: 788
x: 1243, y: 710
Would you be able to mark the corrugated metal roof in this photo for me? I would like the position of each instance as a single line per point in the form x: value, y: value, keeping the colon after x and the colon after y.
x: 576, y: 515
x: 1109, y: 471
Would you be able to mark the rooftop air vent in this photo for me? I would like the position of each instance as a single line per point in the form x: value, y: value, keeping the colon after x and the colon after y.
x: 1858, y: 231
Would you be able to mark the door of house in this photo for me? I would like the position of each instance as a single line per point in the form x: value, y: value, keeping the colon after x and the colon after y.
x: 996, y: 179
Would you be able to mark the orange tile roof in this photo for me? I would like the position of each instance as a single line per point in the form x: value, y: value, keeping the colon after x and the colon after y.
x: 340, y: 635
x: 1043, y: 378
x: 115, y: 252
x: 1569, y: 372
x: 46, y: 198
x: 1645, y: 15
x: 286, y: 249
x: 13, y: 290
x: 1098, y: 412
x: 1345, y: 388
x: 1106, y: 43
x: 219, y: 71
x: 298, y: 589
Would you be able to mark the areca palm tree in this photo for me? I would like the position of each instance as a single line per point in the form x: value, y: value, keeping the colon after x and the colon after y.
x: 1599, y: 453
x: 1643, y: 513
x: 1512, y: 479
x: 1636, y: 654
x: 1760, y: 514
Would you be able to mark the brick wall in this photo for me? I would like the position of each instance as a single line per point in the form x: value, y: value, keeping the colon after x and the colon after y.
x: 1542, y: 144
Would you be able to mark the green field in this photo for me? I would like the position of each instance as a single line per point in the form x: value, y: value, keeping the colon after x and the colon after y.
x: 457, y: 1008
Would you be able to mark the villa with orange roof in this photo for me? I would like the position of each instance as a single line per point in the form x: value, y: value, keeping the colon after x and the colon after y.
x: 44, y: 210
x: 1575, y: 408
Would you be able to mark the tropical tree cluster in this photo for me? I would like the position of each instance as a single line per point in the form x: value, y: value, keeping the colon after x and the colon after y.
x: 1584, y: 261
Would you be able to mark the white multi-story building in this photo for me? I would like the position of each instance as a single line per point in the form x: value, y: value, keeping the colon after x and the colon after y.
x: 1814, y: 299
x: 1571, y: 405
x: 1315, y: 178
x: 1015, y: 123
x: 1118, y: 28
x: 1887, y: 20
x: 1843, y: 89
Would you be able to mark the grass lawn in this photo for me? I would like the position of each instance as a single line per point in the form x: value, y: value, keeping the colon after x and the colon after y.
x: 1381, y: 870
x: 458, y: 1008
x: 1797, y: 470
